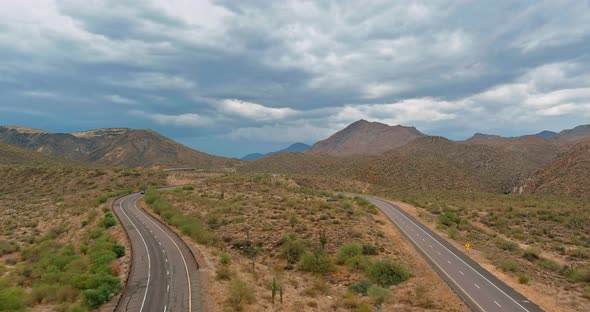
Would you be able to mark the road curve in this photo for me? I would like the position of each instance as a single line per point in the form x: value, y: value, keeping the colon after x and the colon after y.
x: 478, y: 288
x: 163, y: 273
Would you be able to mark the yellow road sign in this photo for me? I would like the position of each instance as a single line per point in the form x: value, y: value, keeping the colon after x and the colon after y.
x: 467, y: 246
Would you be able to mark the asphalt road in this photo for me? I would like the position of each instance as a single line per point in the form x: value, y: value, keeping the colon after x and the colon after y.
x: 163, y: 274
x: 478, y: 288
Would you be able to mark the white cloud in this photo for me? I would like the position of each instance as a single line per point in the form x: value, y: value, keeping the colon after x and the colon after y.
x: 115, y: 98
x: 293, y: 132
x: 153, y: 81
x: 254, y: 111
x: 183, y: 120
x: 40, y: 94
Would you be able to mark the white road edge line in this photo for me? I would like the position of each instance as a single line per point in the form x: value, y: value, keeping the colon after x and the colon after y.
x: 461, y: 272
x: 476, y: 285
x: 403, y: 215
x: 180, y: 252
x: 497, y: 303
x: 146, y: 250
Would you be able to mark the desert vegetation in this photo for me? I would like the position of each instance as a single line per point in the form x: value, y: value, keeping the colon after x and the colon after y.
x: 60, y: 246
x: 284, y: 246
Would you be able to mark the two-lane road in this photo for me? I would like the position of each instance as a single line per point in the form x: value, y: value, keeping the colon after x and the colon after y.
x: 164, y: 273
x: 479, y: 289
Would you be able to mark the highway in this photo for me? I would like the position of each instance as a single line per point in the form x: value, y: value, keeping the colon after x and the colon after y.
x: 163, y: 273
x: 478, y: 288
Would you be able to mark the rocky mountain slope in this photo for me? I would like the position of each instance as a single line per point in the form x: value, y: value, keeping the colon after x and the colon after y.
x: 568, y: 174
x: 113, y: 146
x: 366, y: 138
x: 293, y: 148
x: 14, y: 155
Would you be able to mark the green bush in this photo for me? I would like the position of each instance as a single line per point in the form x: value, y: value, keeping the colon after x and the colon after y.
x: 318, y: 262
x: 240, y: 293
x: 119, y: 250
x: 378, y: 294
x: 357, y: 263
x: 523, y: 279
x: 348, y: 251
x: 369, y: 249
x: 550, y: 265
x: 506, y: 244
x: 360, y: 288
x: 12, y: 298
x: 449, y: 218
x: 509, y: 266
x: 292, y: 249
x: 108, y: 220
x: 386, y: 273
x: 452, y: 231
x: 531, y: 254
x: 100, y: 288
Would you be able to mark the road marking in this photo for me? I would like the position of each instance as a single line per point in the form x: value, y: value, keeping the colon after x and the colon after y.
x: 430, y: 246
x: 423, y: 240
x: 146, y: 250
x: 449, y: 261
x: 476, y: 285
x: 408, y: 219
x: 461, y: 273
x: 167, y: 272
x: 438, y: 253
x: 165, y: 308
x: 497, y: 303
x: 168, y: 288
x: 188, y: 279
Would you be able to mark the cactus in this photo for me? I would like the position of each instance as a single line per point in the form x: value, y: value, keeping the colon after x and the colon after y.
x: 323, y: 239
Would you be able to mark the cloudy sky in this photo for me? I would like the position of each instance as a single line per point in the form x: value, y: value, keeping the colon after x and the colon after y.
x: 234, y: 77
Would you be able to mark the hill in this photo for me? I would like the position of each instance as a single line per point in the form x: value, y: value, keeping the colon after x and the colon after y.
x: 112, y: 146
x: 293, y: 148
x: 365, y: 138
x: 569, y: 174
x: 13, y: 155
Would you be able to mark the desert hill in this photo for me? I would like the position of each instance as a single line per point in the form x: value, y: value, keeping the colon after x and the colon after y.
x: 14, y: 155
x: 568, y: 174
x: 112, y: 146
x: 367, y: 138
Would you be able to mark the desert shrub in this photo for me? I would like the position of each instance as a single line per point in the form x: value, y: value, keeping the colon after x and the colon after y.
x: 108, y: 220
x: 448, y: 218
x: 378, y: 294
x: 523, y: 279
x: 580, y: 253
x: 531, y: 254
x: 317, y: 262
x: 12, y: 298
x: 550, y: 265
x: 348, y: 251
x: 578, y: 274
x: 386, y: 273
x: 119, y: 250
x: 369, y: 249
x: 357, y: 263
x: 102, y: 199
x: 225, y: 259
x: 360, y: 288
x: 586, y: 293
x: 506, y: 244
x: 100, y: 288
x: 291, y: 248
x: 223, y: 271
x: 7, y: 247
x: 240, y: 293
x: 364, y: 307
x: 509, y: 266
x: 452, y: 231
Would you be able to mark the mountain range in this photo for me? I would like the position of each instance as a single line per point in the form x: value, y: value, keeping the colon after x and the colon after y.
x: 293, y: 148
x: 113, y: 146
x: 396, y: 157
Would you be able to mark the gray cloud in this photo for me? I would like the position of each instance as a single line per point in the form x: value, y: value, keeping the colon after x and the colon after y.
x: 210, y: 73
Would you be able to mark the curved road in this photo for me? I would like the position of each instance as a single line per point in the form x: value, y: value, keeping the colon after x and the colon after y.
x: 164, y: 273
x: 480, y: 290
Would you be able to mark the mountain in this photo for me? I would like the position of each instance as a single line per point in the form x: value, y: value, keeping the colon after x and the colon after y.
x: 483, y: 136
x: 576, y: 134
x: 365, y: 138
x: 546, y: 134
x: 112, y: 146
x: 568, y: 174
x: 14, y: 155
x: 293, y: 148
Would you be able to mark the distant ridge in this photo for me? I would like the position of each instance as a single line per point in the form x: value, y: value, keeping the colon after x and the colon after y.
x: 293, y: 148
x: 365, y: 138
x: 113, y: 147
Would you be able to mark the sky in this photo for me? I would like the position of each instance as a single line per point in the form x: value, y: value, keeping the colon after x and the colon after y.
x: 235, y: 77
